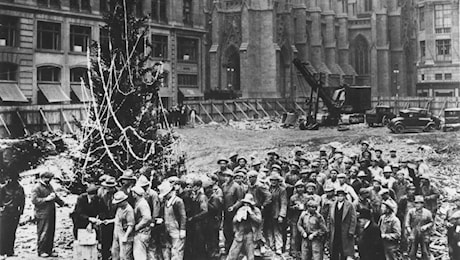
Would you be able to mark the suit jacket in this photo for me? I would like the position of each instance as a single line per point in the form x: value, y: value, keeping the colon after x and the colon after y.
x: 278, y: 206
x: 370, y: 244
x: 348, y: 227
x: 85, y: 209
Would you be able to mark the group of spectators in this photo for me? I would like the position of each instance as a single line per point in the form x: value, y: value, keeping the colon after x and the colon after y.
x: 176, y: 116
x: 343, y: 205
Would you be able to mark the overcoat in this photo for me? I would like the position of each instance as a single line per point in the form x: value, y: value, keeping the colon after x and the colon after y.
x: 348, y: 227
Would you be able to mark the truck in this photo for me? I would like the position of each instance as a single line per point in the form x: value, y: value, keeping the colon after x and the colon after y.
x: 349, y: 102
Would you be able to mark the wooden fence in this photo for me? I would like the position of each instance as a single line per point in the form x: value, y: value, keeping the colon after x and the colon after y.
x: 20, y: 120
x: 241, y: 109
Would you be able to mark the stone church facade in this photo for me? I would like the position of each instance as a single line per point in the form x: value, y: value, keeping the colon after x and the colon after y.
x: 358, y: 42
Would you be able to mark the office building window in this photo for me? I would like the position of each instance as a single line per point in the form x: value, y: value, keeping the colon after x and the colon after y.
x: 160, y: 46
x: 8, y: 31
x: 448, y: 76
x: 442, y: 18
x: 8, y: 71
x: 80, y: 5
x: 443, y: 52
x: 438, y: 76
x: 423, y: 77
x: 367, y: 5
x: 345, y: 6
x: 187, y: 49
x: 361, y: 55
x: 422, y: 49
x: 76, y: 74
x: 55, y: 4
x: 187, y: 80
x: 48, y: 74
x: 421, y: 20
x: 49, y: 35
x: 80, y: 37
x: 187, y: 12
x: 159, y: 11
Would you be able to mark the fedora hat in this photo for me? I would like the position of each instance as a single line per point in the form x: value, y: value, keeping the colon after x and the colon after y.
x: 109, y: 182
x: 127, y: 175
x: 276, y: 176
x: 418, y: 199
x: 142, y: 181
x: 273, y: 152
x: 119, y: 196
x: 242, y: 158
x: 391, y: 205
x: 276, y: 166
x: 299, y: 184
x: 164, y: 188
x: 220, y: 160
x: 248, y: 198
x: 138, y: 190
x: 362, y: 174
x: 92, y: 189
x: 328, y: 188
x: 387, y: 169
x: 252, y: 173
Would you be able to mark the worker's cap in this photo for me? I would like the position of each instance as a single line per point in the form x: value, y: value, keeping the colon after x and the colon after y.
x: 340, y: 190
x: 222, y: 160
x: 256, y: 162
x: 273, y: 152
x: 299, y: 184
x: 138, y: 190
x: 392, y: 150
x: 378, y: 150
x: 275, y: 176
x: 303, y: 158
x: 362, y: 174
x: 276, y: 166
x: 387, y: 169
x: 310, y: 185
x: 297, y: 149
x: 312, y: 203
x: 419, y: 199
x: 341, y: 175
x: 263, y: 169
x: 228, y: 172
x: 365, y: 143
x: 242, y: 158
x: 240, y: 173
x: 295, y: 163
x: 142, y: 181
x: 328, y: 188
x: 315, y: 164
x: 391, y: 204
x: 322, y: 149
x: 252, y: 173
x: 377, y: 179
x: 174, y: 179
x: 305, y: 171
x: 119, y: 197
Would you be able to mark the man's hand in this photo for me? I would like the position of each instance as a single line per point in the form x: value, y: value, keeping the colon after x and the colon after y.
x: 182, y: 234
x: 311, y: 236
x: 280, y: 220
x: 51, y: 197
x: 305, y: 235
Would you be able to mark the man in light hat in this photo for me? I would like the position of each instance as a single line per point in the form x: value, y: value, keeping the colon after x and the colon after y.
x: 12, y: 202
x: 273, y: 158
x: 143, y: 218
x: 430, y: 193
x: 400, y: 186
x: 233, y: 161
x: 276, y: 214
x: 196, y: 221
x: 452, y: 222
x: 327, y: 199
x: 376, y: 199
x: 44, y: 199
x: 410, y: 173
x: 123, y: 233
x: 242, y: 164
x: 312, y: 227
x: 393, y: 158
x: 421, y: 166
x: 376, y: 171
x: 107, y: 211
x: 297, y: 204
x: 342, y: 226
x: 256, y: 165
x: 233, y: 192
x: 370, y: 244
x: 379, y: 158
x: 223, y: 166
x: 419, y: 222
x: 387, y: 180
x: 214, y: 218
x: 385, y: 194
x: 297, y: 151
x: 175, y: 221
x: 246, y: 221
x: 351, y: 194
x: 390, y: 228
x: 363, y: 178
x: 405, y: 203
x: 86, y: 210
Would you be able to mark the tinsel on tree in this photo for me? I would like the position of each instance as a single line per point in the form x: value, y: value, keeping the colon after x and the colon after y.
x: 122, y: 131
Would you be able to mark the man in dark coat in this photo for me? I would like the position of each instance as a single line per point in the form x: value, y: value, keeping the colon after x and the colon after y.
x: 214, y: 219
x: 44, y: 199
x: 370, y: 244
x: 12, y: 200
x: 107, y: 211
x: 342, y: 226
x: 87, y: 209
x: 233, y: 193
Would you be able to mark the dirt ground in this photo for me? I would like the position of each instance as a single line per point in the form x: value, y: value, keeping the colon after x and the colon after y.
x: 205, y: 144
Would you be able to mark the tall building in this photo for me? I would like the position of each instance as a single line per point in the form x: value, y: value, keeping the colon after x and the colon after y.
x: 43, y: 46
x: 358, y: 42
x: 438, y: 60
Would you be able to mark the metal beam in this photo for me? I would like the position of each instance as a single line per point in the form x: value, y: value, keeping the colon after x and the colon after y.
x: 206, y: 111
x: 218, y: 111
x: 231, y: 111
x: 44, y: 119
x: 241, y: 110
x: 262, y: 108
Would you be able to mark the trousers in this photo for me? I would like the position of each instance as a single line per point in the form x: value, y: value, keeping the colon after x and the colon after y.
x: 212, y: 238
x: 174, y: 248
x: 424, y: 244
x: 141, y: 245
x: 296, y: 242
x: 121, y: 250
x: 106, y: 240
x: 274, y: 235
x: 45, y: 234
x: 228, y: 229
x: 8, y: 226
x: 391, y: 249
x: 237, y: 246
x: 312, y: 250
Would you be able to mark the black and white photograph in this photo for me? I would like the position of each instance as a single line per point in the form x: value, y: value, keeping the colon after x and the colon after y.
x: 230, y: 129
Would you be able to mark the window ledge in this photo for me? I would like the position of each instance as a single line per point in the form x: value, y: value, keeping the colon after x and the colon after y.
x: 188, y: 61
x: 77, y: 53
x: 49, y: 51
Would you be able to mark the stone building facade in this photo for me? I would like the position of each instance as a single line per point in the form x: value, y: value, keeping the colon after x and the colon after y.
x: 438, y: 59
x: 43, y: 46
x: 358, y: 42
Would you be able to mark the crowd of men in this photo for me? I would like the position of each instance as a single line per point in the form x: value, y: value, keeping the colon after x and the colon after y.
x: 327, y: 203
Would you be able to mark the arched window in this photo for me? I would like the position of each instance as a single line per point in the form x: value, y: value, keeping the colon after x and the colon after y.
x: 367, y: 5
x: 8, y: 71
x: 77, y: 73
x: 48, y: 74
x: 361, y: 55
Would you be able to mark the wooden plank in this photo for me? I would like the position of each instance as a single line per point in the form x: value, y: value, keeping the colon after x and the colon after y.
x: 66, y: 121
x: 218, y: 111
x: 206, y: 111
x: 231, y: 111
x: 24, y: 127
x: 241, y: 110
x: 44, y: 119
x: 274, y: 110
x: 300, y: 108
x: 5, y: 125
x: 262, y: 108
x: 251, y: 107
x: 279, y: 104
